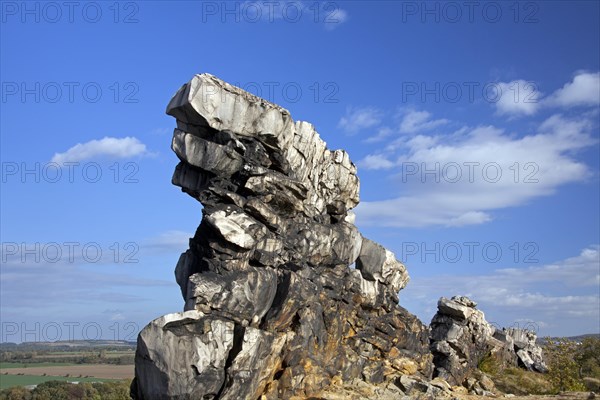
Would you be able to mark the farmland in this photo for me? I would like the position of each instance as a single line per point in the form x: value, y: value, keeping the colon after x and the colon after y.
x: 105, y: 371
x: 7, y: 381
x: 33, y: 363
x: 4, y: 365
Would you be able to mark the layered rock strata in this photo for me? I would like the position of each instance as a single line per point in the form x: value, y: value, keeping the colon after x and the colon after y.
x: 273, y: 305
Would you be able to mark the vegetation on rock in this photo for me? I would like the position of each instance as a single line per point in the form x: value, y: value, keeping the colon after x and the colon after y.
x: 572, y: 366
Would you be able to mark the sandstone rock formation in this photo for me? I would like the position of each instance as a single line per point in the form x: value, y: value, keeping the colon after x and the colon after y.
x: 273, y: 307
x: 461, y: 338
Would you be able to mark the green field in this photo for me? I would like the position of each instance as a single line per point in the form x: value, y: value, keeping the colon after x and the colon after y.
x: 7, y: 381
x: 86, y: 353
x: 33, y: 364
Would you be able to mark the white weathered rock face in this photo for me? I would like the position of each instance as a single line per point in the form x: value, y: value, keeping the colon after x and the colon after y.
x: 460, y: 338
x: 456, y: 309
x: 198, y: 350
x: 267, y: 272
x: 528, y: 351
x: 379, y: 264
x: 234, y: 227
x: 207, y: 107
x: 209, y: 156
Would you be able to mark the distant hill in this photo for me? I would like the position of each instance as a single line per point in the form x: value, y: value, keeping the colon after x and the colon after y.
x: 581, y: 337
x: 68, y: 344
x: 577, y: 338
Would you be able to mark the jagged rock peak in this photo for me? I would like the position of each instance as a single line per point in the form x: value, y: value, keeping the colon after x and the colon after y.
x: 225, y: 130
x: 272, y: 307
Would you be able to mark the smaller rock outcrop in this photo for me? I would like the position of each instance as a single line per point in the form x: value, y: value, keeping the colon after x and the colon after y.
x: 461, y: 338
x: 525, y: 346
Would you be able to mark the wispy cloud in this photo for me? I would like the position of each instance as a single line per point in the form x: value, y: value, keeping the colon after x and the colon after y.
x: 335, y: 17
x: 552, y: 294
x: 65, y: 283
x: 414, y: 121
x: 524, y: 98
x: 114, y: 277
x: 107, y: 147
x: 583, y: 90
x: 329, y: 14
x: 458, y: 180
x: 173, y: 240
x: 382, y: 133
x: 376, y: 161
x: 360, y: 118
x: 66, y: 253
x: 517, y: 98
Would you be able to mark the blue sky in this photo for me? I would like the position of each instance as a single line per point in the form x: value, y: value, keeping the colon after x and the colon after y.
x: 474, y: 128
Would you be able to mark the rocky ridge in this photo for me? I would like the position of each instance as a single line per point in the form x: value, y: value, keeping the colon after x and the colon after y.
x: 284, y: 298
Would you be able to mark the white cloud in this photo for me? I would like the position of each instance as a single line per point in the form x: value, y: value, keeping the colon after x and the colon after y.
x: 173, y: 240
x: 417, y: 121
x: 517, y: 98
x: 106, y: 147
x: 382, y: 133
x: 459, y: 180
x: 334, y: 17
x: 360, y: 118
x: 292, y: 11
x: 580, y: 271
x: 410, y: 122
x: 375, y: 161
x: 77, y: 281
x: 583, y: 90
x: 117, y: 317
x: 566, y: 290
x: 520, y: 97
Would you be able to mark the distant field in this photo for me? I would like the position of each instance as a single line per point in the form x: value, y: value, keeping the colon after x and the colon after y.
x: 67, y: 354
x: 105, y: 371
x: 84, y: 352
x: 32, y: 364
x: 7, y: 381
x: 34, y: 375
